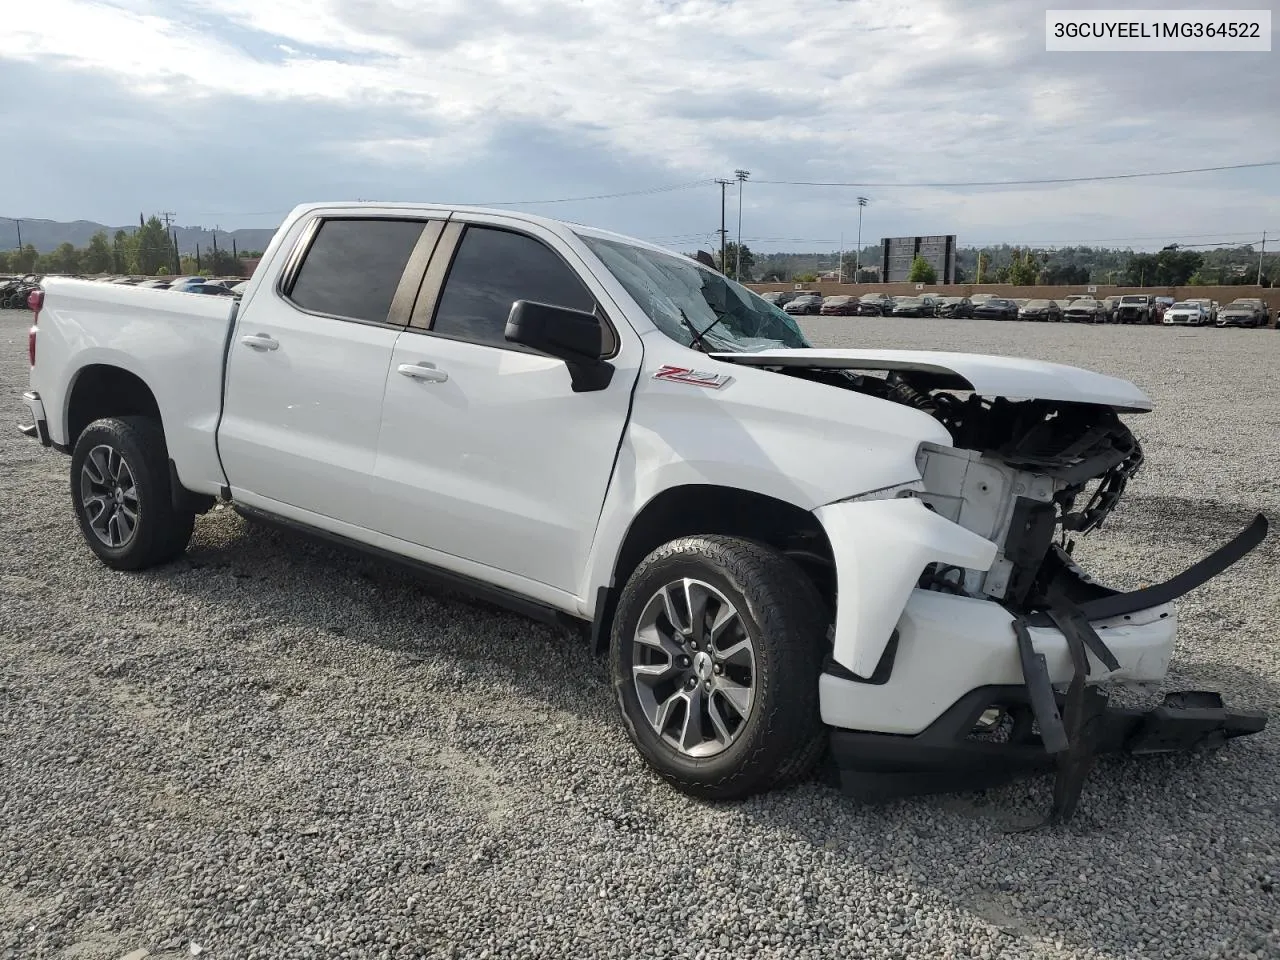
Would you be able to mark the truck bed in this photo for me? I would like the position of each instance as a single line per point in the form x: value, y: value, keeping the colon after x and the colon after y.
x: 174, y: 342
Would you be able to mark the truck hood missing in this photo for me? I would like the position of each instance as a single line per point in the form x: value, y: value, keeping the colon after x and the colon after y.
x: 990, y: 376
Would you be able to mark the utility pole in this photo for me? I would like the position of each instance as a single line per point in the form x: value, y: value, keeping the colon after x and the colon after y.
x: 1261, y: 251
x: 858, y: 256
x: 840, y: 269
x: 168, y: 216
x: 724, y: 234
x: 741, y: 176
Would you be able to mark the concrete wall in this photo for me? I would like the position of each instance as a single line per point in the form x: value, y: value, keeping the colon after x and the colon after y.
x: 1224, y: 295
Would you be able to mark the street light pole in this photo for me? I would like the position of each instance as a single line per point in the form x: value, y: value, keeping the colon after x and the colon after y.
x: 857, y: 270
x: 741, y: 175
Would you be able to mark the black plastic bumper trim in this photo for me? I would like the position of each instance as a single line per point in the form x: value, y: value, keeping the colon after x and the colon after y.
x: 944, y: 759
x: 1183, y: 583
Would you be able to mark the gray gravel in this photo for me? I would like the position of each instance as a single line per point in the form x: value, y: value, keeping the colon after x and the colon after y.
x: 271, y: 749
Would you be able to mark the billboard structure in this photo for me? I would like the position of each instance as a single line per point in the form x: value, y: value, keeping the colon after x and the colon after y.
x: 897, y: 254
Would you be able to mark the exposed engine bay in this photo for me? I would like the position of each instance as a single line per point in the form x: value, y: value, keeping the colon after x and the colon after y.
x: 1025, y: 474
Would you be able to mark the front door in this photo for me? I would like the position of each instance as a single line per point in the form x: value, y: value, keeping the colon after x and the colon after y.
x: 308, y: 366
x: 486, y: 454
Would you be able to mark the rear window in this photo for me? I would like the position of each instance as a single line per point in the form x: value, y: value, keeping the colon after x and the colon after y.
x: 353, y: 267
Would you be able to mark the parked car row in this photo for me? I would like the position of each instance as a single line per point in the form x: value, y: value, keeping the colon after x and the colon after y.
x: 1076, y: 308
x: 15, y: 290
x: 213, y: 286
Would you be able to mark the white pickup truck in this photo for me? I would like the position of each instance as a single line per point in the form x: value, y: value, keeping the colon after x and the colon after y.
x: 851, y: 560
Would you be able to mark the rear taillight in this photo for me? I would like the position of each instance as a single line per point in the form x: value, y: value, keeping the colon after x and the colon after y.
x: 35, y: 300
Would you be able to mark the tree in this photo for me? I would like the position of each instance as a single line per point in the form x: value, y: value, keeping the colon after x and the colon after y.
x: 1170, y: 267
x: 223, y: 264
x: 922, y: 271
x: 122, y: 252
x: 731, y: 261
x: 97, y: 255
x: 66, y: 259
x: 24, y: 260
x: 806, y: 277
x: 1064, y: 274
x: 153, y: 250
x: 1022, y: 270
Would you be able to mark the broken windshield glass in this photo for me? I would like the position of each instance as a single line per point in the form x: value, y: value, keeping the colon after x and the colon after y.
x: 690, y: 303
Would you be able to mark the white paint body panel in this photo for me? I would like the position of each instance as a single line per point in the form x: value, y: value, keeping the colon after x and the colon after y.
x: 949, y: 645
x: 881, y: 547
x: 1013, y: 377
x: 300, y: 422
x: 173, y: 342
x: 501, y: 464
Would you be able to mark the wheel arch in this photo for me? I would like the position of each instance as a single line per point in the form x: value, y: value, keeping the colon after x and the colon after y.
x: 105, y: 390
x: 689, y: 509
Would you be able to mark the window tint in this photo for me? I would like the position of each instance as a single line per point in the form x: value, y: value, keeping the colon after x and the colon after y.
x: 354, y: 266
x: 492, y: 270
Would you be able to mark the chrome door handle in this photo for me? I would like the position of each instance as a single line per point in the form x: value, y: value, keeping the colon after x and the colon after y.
x: 260, y: 341
x: 423, y: 371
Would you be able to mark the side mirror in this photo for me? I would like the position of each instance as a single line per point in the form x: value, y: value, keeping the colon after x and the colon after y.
x: 573, y: 336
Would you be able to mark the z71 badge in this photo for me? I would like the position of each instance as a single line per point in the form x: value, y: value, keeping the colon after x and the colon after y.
x: 697, y: 378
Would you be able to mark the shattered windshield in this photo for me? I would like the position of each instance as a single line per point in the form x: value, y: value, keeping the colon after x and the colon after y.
x: 676, y: 293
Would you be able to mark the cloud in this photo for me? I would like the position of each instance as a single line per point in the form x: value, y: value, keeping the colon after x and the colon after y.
x: 241, y: 106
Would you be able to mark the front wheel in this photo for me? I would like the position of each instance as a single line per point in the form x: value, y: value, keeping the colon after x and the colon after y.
x: 122, y: 494
x: 715, y: 660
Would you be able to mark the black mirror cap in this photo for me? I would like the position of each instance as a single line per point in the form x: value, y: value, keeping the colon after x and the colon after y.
x: 574, y: 336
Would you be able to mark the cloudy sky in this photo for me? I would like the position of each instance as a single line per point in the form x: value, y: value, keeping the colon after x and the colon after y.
x: 230, y: 111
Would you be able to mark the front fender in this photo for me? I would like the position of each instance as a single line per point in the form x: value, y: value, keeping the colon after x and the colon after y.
x: 881, y: 547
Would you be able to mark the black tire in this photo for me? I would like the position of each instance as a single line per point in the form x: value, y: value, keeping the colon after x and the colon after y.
x: 782, y: 737
x: 160, y: 533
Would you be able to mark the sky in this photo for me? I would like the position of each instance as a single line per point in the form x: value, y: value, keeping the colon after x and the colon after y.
x: 230, y: 112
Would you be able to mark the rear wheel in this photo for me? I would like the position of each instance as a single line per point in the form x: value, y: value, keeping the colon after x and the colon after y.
x: 715, y: 659
x: 122, y: 495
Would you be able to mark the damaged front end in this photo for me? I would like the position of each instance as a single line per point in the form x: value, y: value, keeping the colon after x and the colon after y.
x: 1012, y: 655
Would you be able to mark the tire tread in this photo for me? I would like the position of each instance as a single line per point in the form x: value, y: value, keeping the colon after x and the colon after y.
x: 790, y: 738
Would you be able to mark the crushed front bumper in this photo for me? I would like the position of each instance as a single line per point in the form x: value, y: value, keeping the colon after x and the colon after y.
x: 951, y: 755
x: 913, y: 726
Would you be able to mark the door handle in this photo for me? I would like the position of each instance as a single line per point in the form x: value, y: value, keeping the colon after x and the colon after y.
x: 260, y: 341
x: 427, y: 372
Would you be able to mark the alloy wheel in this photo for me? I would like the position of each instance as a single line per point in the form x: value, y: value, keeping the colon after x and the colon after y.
x: 694, y: 667
x: 109, y: 496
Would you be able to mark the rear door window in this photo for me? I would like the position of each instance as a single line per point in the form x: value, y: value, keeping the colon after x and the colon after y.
x: 353, y: 267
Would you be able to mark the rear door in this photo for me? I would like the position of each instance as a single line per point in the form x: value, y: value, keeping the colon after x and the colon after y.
x: 308, y: 365
x: 486, y: 454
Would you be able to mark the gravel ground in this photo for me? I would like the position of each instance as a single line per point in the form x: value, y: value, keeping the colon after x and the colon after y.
x: 276, y: 750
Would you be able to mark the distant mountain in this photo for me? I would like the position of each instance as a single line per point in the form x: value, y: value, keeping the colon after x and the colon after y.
x: 47, y: 235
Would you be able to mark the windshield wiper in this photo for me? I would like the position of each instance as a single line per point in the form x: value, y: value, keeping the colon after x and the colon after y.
x: 698, y: 342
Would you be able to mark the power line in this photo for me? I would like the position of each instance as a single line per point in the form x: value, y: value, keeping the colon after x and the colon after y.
x: 600, y: 196
x: 669, y: 188
x: 1014, y: 183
